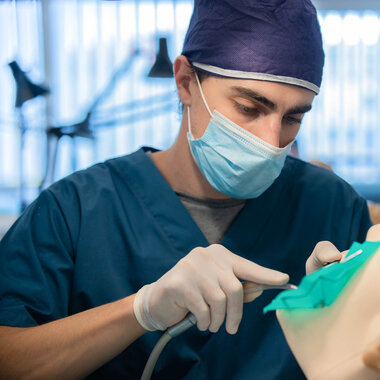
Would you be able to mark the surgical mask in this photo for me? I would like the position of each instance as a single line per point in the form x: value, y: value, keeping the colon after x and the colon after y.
x: 234, y: 161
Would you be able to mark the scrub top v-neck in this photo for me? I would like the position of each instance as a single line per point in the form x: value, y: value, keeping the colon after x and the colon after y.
x: 102, y: 233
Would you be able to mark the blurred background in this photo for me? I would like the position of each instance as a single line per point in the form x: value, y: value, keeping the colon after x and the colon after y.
x: 75, y: 89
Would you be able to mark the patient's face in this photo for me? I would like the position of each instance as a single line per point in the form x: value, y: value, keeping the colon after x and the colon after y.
x: 374, y: 233
x: 329, y: 342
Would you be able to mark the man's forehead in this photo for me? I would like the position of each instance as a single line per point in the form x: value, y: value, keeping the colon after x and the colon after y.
x: 270, y: 94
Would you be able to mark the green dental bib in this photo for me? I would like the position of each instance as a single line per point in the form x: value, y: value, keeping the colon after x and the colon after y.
x: 322, y: 287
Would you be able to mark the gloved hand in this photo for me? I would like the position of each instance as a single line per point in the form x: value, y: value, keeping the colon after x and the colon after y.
x: 205, y: 283
x: 323, y: 253
x: 326, y: 252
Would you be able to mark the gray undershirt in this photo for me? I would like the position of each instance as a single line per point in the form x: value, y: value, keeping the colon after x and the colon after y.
x: 212, y: 216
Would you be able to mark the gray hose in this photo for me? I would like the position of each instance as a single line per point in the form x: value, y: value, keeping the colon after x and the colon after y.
x: 170, y: 333
x: 155, y: 354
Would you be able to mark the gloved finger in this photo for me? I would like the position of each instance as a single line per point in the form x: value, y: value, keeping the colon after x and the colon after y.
x: 233, y: 289
x: 217, y: 301
x: 251, y: 291
x: 197, y: 305
x: 324, y: 253
x: 371, y: 357
x: 373, y: 233
x: 249, y: 271
x: 252, y: 296
x: 344, y: 254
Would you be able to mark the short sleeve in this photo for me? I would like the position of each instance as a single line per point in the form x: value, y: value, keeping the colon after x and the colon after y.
x: 36, y: 265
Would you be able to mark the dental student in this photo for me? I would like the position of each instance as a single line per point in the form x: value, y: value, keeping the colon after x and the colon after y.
x: 133, y: 244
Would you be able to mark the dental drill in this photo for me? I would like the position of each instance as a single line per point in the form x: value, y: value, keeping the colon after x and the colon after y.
x: 188, y: 322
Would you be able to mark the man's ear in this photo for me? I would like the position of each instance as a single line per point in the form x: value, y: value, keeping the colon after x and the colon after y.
x: 183, y: 73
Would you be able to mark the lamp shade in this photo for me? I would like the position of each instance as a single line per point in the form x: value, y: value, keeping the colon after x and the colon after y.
x: 163, y: 66
x: 25, y: 88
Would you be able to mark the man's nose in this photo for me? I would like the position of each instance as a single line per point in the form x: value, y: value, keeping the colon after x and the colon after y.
x: 270, y: 130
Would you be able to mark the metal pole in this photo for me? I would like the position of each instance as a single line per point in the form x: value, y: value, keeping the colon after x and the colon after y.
x: 46, y: 51
x: 22, y: 127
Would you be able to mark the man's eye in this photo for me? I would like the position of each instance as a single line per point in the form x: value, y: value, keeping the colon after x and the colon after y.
x: 246, y: 110
x: 293, y: 120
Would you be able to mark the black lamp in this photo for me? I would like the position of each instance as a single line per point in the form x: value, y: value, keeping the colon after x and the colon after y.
x: 163, y: 67
x: 54, y: 135
x: 25, y: 88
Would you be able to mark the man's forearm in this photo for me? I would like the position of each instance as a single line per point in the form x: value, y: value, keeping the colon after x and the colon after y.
x: 69, y: 348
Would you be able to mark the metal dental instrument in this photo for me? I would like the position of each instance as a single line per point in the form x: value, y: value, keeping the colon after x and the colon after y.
x: 190, y: 321
x: 270, y: 287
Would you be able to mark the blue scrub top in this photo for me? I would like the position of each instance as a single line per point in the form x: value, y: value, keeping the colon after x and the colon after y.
x: 101, y: 234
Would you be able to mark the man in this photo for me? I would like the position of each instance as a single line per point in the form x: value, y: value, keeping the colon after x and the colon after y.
x: 146, y: 223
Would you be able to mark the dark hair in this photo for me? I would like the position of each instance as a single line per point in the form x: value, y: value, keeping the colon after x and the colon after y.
x: 201, y: 75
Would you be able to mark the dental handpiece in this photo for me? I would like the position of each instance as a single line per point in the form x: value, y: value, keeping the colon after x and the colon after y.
x: 190, y: 319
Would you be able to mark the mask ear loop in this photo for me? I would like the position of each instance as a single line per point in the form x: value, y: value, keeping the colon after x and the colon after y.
x: 189, y: 123
x: 204, y: 101
x: 202, y: 95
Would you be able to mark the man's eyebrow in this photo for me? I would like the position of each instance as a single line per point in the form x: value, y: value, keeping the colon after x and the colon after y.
x: 299, y: 109
x: 248, y: 93
x: 253, y: 95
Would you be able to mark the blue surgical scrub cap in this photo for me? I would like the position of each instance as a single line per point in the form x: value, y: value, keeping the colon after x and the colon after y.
x: 272, y: 40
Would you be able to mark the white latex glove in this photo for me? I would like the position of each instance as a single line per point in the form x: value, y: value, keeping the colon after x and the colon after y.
x: 205, y: 283
x: 324, y: 253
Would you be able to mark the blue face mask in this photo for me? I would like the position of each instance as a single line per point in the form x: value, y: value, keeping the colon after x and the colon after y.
x: 234, y: 161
